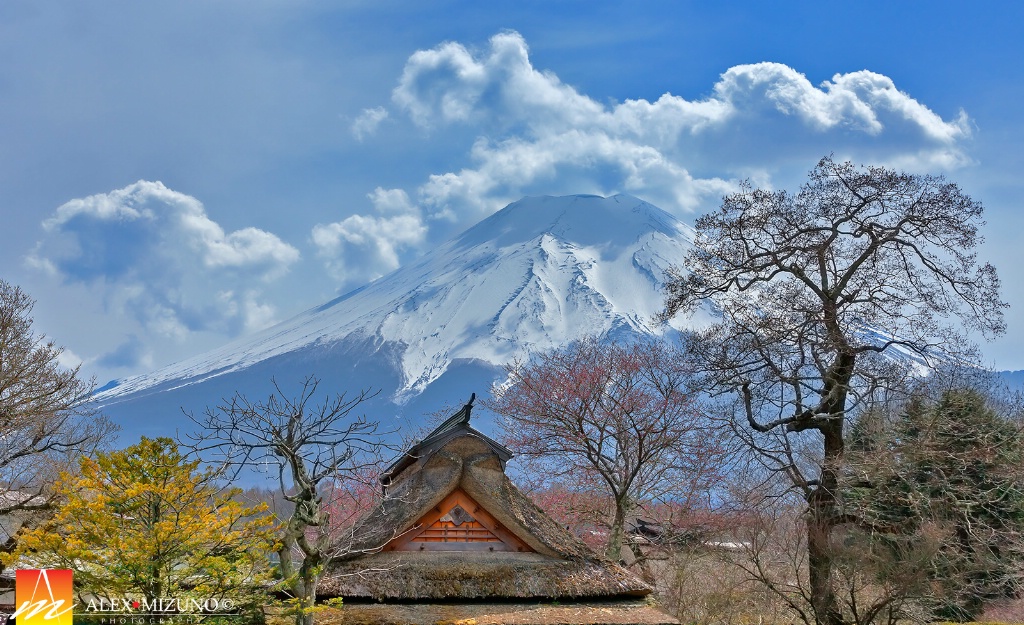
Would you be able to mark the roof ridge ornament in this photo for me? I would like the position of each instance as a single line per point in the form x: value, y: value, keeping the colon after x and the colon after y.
x: 453, y: 426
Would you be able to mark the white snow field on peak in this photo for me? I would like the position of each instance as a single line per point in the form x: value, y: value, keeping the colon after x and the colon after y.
x: 535, y: 275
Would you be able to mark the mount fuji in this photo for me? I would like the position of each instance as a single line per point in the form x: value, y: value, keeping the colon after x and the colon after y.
x: 537, y: 274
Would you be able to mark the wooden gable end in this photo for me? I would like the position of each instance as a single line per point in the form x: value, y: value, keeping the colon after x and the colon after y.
x: 458, y: 523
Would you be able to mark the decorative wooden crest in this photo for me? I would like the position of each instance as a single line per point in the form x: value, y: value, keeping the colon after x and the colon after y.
x: 458, y: 523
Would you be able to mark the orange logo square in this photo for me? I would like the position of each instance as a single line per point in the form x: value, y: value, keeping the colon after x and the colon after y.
x: 43, y: 597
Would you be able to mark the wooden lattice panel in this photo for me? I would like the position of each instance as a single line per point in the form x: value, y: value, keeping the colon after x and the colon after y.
x: 457, y: 524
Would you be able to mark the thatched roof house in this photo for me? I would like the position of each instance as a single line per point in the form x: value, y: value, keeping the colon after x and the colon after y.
x: 453, y: 527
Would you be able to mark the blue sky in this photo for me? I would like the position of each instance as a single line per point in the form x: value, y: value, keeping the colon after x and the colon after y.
x: 176, y: 174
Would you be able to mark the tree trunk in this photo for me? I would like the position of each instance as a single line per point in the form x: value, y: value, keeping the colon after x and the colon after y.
x: 819, y: 561
x: 614, y: 550
x: 308, y: 603
x: 296, y: 580
x: 822, y: 517
x: 308, y: 576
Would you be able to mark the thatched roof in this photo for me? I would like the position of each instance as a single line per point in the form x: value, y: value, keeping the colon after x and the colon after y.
x: 541, y: 558
x: 618, y: 612
x: 453, y: 427
x: 446, y: 576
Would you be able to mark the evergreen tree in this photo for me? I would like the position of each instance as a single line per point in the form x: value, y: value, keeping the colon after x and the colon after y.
x: 948, y: 480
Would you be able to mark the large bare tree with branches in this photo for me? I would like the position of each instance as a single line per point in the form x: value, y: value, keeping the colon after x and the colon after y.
x: 315, y: 449
x: 815, y: 288
x: 615, y: 416
x: 45, y: 422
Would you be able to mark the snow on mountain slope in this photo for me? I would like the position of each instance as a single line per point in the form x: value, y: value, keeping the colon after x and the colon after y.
x: 538, y: 273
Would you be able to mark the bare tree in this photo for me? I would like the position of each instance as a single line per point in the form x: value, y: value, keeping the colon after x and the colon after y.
x: 313, y: 447
x: 813, y: 288
x: 614, y: 415
x: 45, y: 422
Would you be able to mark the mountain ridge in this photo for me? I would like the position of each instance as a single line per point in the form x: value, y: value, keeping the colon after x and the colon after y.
x: 533, y: 276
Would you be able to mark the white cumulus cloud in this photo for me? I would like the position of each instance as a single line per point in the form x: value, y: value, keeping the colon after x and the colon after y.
x: 156, y: 255
x: 536, y: 134
x: 368, y: 121
x: 364, y: 247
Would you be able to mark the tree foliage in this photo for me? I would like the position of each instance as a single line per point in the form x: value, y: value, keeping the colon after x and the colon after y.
x: 944, y: 476
x: 144, y: 523
x: 319, y: 451
x: 611, y: 416
x: 814, y: 288
x: 44, y: 422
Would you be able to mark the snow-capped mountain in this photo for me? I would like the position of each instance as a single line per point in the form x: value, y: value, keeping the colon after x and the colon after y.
x: 534, y: 275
